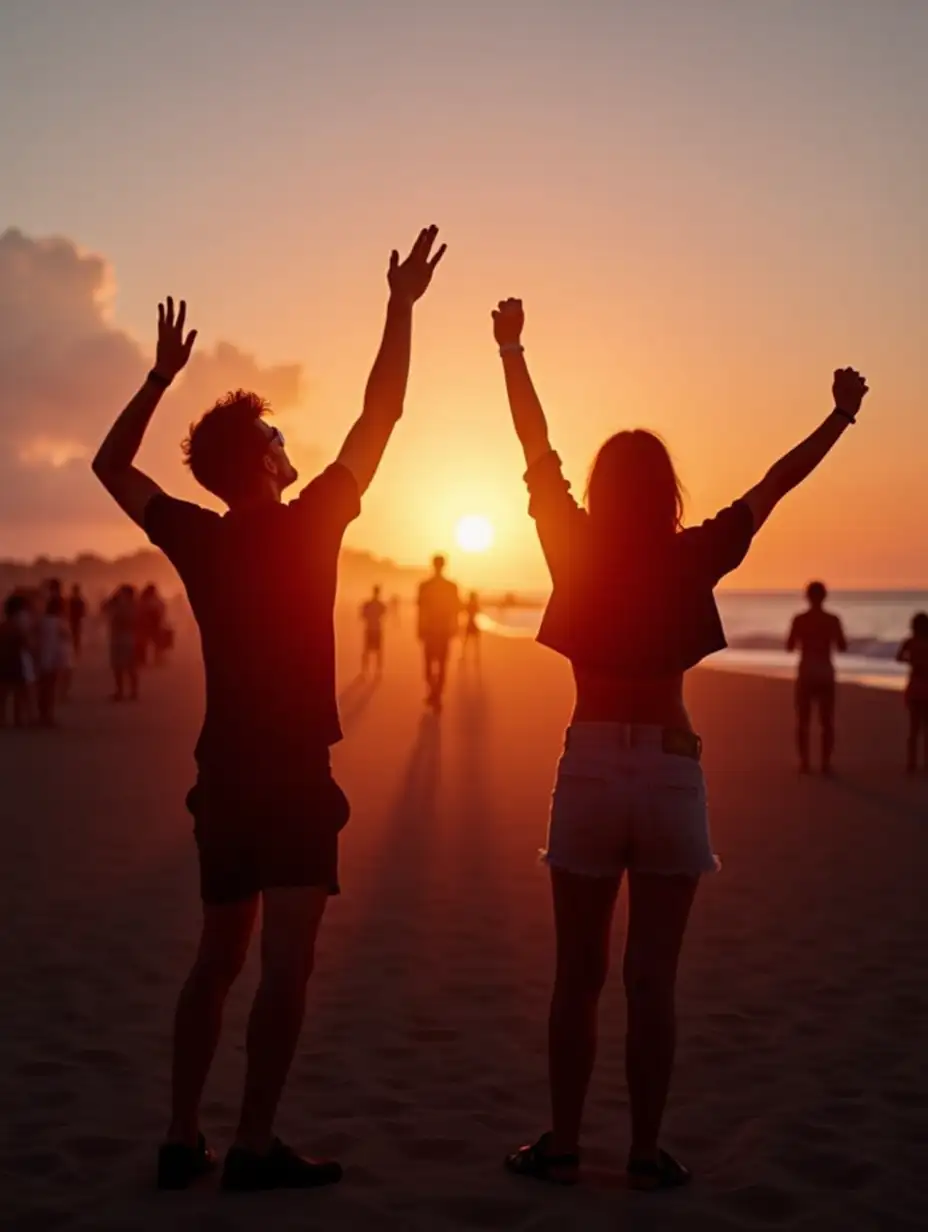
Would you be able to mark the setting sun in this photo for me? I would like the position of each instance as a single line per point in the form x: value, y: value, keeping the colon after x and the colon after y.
x: 474, y: 533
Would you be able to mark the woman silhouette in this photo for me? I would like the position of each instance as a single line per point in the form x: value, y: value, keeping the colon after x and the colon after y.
x: 632, y: 609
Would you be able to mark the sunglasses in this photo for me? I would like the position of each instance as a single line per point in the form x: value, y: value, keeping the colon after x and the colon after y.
x: 276, y: 437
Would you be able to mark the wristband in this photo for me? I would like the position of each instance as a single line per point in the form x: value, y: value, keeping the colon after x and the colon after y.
x: 158, y: 378
x: 846, y: 415
x: 512, y: 348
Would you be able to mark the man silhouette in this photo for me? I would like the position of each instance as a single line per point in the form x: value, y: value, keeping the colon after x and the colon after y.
x: 439, y: 613
x: 261, y: 584
x: 816, y: 633
x: 372, y: 614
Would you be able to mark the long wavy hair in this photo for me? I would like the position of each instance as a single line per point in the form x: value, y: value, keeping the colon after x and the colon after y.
x: 633, y: 490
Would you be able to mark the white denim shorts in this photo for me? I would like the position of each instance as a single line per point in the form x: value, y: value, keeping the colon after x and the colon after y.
x: 620, y: 802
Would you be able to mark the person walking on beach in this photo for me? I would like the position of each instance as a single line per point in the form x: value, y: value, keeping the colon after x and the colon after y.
x: 471, y: 639
x: 121, y: 610
x: 816, y: 633
x: 77, y: 614
x: 914, y: 651
x: 372, y: 614
x: 632, y: 609
x: 439, y: 613
x: 15, y: 660
x: 54, y: 659
x: 267, y: 811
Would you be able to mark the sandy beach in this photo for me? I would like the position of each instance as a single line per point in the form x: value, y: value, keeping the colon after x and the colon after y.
x: 801, y: 1094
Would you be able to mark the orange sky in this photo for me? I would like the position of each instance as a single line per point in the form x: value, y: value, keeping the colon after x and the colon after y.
x: 705, y: 210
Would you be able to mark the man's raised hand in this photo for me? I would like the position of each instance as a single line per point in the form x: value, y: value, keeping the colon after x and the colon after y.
x: 849, y: 389
x: 173, y: 348
x: 508, y: 322
x: 409, y: 279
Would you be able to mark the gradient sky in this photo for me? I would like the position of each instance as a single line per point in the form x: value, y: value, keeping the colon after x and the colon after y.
x: 707, y: 205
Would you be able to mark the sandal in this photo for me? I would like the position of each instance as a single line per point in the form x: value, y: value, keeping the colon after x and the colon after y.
x: 665, y: 1172
x: 537, y: 1162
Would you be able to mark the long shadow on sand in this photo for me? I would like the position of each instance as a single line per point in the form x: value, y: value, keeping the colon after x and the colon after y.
x: 355, y: 697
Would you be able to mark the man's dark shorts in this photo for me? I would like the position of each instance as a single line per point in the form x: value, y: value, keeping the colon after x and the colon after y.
x: 261, y: 832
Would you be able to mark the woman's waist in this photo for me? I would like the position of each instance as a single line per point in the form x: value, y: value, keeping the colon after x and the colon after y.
x: 589, y: 746
x: 607, y: 699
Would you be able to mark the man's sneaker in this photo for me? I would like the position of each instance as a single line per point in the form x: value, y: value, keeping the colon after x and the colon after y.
x: 179, y: 1165
x: 280, y: 1168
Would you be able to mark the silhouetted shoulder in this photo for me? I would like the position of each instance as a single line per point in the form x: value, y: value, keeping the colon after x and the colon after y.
x: 332, y: 499
x: 178, y: 527
x: 721, y: 543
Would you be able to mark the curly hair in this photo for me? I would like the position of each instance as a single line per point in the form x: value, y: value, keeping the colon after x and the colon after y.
x: 223, y: 450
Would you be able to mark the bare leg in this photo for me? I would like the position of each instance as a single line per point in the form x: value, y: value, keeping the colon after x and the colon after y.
x: 827, y: 718
x: 803, y: 719
x: 198, y: 1020
x: 291, y: 922
x: 583, y: 910
x: 911, y: 761
x: 658, y: 910
x: 119, y: 681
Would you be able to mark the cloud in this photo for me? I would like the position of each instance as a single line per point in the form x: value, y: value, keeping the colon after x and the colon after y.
x: 66, y: 369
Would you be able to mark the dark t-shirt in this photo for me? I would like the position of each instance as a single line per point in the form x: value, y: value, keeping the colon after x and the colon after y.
x: 642, y: 608
x: 261, y: 583
x: 439, y: 609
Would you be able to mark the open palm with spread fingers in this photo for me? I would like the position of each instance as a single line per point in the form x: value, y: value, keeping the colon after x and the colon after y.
x: 173, y: 348
x: 409, y: 279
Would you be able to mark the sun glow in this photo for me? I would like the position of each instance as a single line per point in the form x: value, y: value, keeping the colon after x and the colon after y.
x: 474, y: 533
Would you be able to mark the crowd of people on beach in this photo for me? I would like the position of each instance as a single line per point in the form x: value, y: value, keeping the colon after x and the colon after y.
x: 42, y: 638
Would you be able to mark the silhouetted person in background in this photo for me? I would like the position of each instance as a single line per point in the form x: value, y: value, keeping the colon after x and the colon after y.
x: 77, y: 614
x: 816, y: 634
x: 14, y: 656
x: 151, y: 626
x: 261, y: 580
x: 53, y: 658
x: 372, y: 614
x: 439, y: 613
x: 914, y: 651
x: 632, y: 609
x: 471, y: 638
x: 121, y: 610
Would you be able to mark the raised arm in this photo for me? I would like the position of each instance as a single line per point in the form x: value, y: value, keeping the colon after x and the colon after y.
x: 528, y: 418
x: 113, y: 465
x: 849, y: 388
x: 386, y: 386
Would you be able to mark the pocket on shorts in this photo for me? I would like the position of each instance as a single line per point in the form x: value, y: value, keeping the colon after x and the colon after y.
x: 585, y: 834
x: 673, y: 835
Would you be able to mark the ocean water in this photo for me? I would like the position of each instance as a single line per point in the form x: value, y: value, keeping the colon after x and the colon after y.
x: 757, y: 623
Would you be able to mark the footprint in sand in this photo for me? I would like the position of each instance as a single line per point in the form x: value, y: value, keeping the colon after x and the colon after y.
x: 477, y: 1212
x: 35, y: 1163
x: 437, y: 1150
x: 433, y: 1035
x: 905, y: 1097
x: 98, y: 1147
x: 383, y: 1105
x: 828, y: 1170
x: 43, y: 1069
x: 763, y: 1203
x: 105, y: 1057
